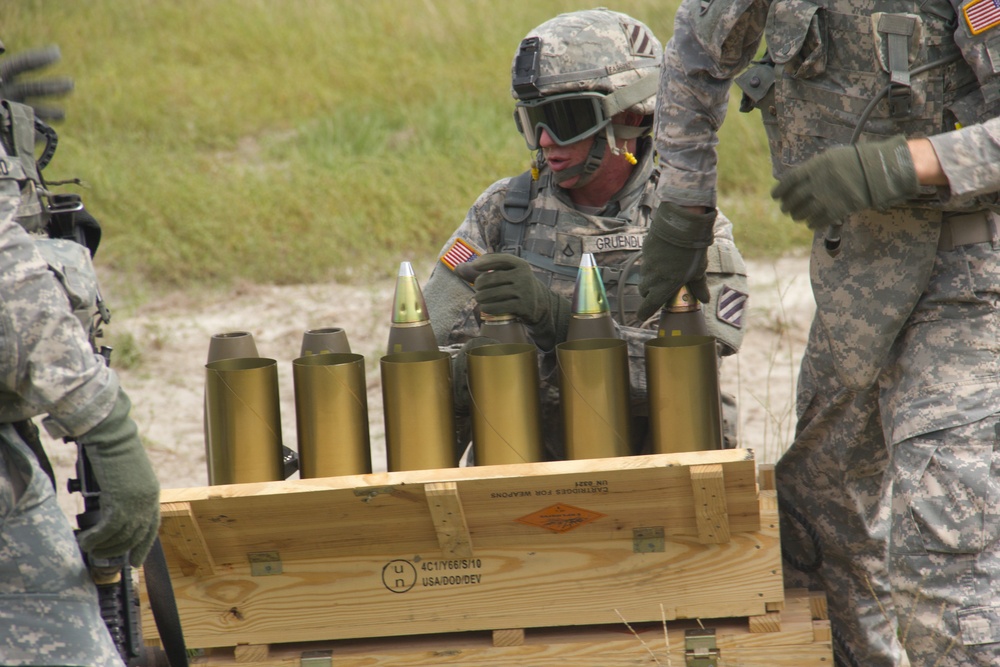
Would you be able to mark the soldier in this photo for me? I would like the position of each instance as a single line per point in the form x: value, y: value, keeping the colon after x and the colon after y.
x: 902, y: 355
x: 584, y: 85
x: 49, y: 613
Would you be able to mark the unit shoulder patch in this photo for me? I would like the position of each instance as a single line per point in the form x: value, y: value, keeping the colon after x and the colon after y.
x: 732, y: 305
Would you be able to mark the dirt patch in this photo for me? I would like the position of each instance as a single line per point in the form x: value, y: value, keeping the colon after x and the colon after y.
x: 172, y: 332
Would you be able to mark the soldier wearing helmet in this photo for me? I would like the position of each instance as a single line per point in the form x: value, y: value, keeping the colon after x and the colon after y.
x: 584, y: 85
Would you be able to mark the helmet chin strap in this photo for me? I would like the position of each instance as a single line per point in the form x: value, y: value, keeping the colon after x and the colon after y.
x: 587, y: 168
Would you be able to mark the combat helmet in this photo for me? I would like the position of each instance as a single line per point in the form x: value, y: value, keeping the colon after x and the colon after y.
x: 572, y: 74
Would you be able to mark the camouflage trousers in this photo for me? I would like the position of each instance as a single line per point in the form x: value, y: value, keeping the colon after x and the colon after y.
x: 834, y: 506
x: 940, y: 399
x: 48, y: 605
x: 936, y: 407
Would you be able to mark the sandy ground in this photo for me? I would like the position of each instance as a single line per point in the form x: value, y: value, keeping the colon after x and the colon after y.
x: 173, y: 331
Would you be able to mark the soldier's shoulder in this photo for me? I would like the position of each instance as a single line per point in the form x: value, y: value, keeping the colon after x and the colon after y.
x: 491, y: 201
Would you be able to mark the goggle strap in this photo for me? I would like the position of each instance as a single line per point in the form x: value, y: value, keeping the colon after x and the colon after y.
x: 630, y: 95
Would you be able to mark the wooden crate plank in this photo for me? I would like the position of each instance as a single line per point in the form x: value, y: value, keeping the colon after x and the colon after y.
x: 182, y: 540
x: 448, y: 516
x: 328, y: 517
x: 708, y: 487
x: 573, y: 585
x: 612, y: 645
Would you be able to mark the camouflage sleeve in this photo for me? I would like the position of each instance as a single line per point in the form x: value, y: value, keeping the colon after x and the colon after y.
x: 970, y: 158
x: 450, y: 299
x: 712, y: 42
x: 47, y: 363
x: 725, y: 313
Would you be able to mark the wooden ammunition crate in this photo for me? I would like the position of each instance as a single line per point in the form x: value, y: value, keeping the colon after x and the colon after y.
x: 580, y: 551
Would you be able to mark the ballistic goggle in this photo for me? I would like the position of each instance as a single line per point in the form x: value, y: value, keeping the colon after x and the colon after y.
x: 567, y: 118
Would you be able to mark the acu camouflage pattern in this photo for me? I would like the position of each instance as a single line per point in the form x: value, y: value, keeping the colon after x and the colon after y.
x: 48, y: 606
x: 583, y: 51
x: 833, y: 479
x: 891, y: 308
x: 559, y: 233
x: 48, y: 603
x: 970, y: 158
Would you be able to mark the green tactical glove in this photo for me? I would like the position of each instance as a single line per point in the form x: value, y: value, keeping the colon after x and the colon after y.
x: 460, y: 374
x: 674, y: 254
x: 505, y: 285
x: 11, y: 89
x: 130, y: 493
x: 830, y: 186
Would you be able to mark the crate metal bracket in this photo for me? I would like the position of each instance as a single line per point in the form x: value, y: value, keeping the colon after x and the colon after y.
x: 316, y: 659
x: 648, y: 540
x: 700, y: 649
x: 264, y: 563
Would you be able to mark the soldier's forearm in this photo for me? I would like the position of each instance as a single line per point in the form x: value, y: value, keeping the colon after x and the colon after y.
x: 925, y: 160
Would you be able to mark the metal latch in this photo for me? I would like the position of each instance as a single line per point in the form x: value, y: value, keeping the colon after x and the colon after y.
x: 700, y: 649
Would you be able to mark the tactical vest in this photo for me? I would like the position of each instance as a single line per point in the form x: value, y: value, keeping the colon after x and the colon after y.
x: 552, y: 237
x: 836, y: 74
x: 69, y: 255
x: 18, y: 137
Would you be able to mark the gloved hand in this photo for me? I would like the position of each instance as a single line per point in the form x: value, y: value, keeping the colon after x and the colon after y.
x: 10, y: 89
x: 460, y: 374
x: 830, y: 186
x: 674, y: 254
x: 505, y: 285
x: 130, y: 493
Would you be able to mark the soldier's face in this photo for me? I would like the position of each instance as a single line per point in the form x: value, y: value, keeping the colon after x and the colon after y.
x: 563, y: 157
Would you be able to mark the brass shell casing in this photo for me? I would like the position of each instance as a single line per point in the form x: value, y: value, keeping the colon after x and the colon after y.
x: 331, y: 415
x: 594, y: 390
x: 244, y: 421
x: 503, y: 387
x: 327, y: 339
x: 418, y: 409
x: 685, y: 410
x: 225, y: 345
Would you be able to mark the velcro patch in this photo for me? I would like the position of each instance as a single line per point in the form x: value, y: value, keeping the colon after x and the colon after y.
x: 732, y: 305
x: 981, y: 15
x: 459, y: 252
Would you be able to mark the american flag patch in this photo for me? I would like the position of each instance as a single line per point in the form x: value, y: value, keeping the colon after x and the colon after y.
x: 460, y: 251
x: 981, y: 15
x: 732, y: 305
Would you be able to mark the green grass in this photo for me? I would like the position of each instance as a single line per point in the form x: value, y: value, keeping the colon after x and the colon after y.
x: 304, y: 140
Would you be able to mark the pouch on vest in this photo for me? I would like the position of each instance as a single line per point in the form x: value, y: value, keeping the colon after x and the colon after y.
x: 796, y: 38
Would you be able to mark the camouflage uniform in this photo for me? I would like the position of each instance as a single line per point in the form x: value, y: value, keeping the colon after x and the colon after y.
x: 970, y: 158
x: 48, y: 604
x: 904, y: 348
x: 555, y: 236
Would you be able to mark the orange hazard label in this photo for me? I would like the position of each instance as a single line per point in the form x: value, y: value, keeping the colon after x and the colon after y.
x: 560, y: 518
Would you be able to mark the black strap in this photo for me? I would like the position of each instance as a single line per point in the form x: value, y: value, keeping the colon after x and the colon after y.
x: 29, y: 434
x: 164, y: 606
